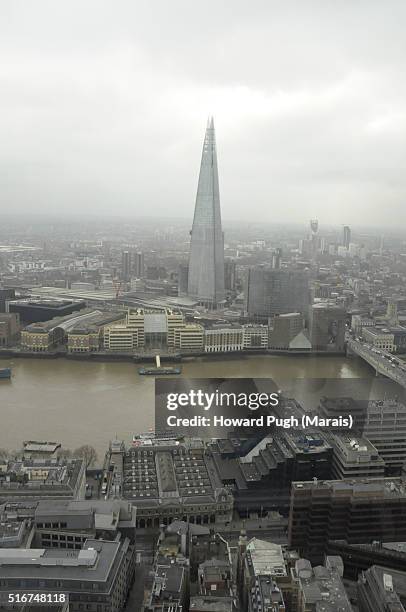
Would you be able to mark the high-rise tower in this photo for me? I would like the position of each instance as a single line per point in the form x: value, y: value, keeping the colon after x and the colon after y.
x: 346, y: 236
x: 206, y: 260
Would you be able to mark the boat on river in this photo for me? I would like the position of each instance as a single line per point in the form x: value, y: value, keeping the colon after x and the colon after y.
x: 158, y: 370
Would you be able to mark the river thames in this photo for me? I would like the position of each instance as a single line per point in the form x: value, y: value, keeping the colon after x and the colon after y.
x: 83, y: 402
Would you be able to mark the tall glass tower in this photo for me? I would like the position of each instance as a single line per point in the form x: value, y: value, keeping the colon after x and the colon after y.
x: 206, y: 260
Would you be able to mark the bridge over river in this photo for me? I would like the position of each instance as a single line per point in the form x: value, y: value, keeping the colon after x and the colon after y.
x: 384, y: 363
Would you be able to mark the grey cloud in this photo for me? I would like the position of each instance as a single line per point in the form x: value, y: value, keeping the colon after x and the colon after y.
x: 104, y: 105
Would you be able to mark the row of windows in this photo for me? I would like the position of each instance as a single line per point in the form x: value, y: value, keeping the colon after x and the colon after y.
x: 63, y: 538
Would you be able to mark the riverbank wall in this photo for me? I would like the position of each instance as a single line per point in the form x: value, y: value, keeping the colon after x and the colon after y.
x: 165, y: 357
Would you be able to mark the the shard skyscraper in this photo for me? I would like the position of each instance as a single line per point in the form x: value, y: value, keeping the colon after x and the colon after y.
x: 206, y: 260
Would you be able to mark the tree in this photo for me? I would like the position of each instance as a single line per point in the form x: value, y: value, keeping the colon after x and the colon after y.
x: 3, y: 454
x: 87, y: 453
x: 16, y: 454
x: 64, y: 453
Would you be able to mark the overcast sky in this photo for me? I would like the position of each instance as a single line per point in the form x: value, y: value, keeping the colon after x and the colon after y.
x: 103, y: 107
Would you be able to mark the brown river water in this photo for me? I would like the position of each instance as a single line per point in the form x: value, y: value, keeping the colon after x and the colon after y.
x: 80, y: 402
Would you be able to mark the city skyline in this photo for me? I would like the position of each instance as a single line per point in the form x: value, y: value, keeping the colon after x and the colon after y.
x: 311, y: 130
x: 203, y: 368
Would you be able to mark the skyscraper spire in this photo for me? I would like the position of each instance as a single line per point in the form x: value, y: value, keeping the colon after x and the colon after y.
x: 206, y: 260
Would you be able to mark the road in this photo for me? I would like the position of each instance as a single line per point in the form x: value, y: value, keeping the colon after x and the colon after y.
x: 383, y: 362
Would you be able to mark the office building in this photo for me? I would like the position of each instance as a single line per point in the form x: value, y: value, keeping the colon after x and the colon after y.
x: 276, y: 259
x: 9, y: 328
x: 385, y: 427
x: 36, y: 310
x: 355, y: 458
x: 224, y: 339
x: 139, y: 267
x: 354, y: 510
x: 327, y: 327
x: 97, y: 577
x: 255, y: 336
x: 126, y: 262
x: 149, y: 328
x: 346, y: 236
x: 206, y: 261
x: 5, y: 296
x: 189, y: 337
x: 285, y: 328
x: 381, y: 422
x: 68, y: 524
x: 270, y: 292
x: 261, y: 479
x: 183, y: 276
x: 229, y: 274
x: 380, y: 588
x: 380, y: 338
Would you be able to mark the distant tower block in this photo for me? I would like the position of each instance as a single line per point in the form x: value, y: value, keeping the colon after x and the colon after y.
x: 139, y: 265
x: 206, y: 260
x: 126, y: 265
x: 276, y: 259
x: 314, y: 226
x: 346, y: 236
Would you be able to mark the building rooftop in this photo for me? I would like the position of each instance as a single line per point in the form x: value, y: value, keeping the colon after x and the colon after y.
x: 322, y: 587
x: 207, y: 603
x: 327, y: 306
x: 378, y: 331
x: 392, y: 585
x: 99, y: 319
x: 367, y: 487
x: 167, y: 473
x: 356, y: 449
x: 307, y: 442
x: 93, y: 563
x: 41, y: 478
x: 168, y: 581
x: 265, y: 558
x: 12, y: 531
x: 67, y: 322
x: 33, y: 446
x: 45, y: 302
